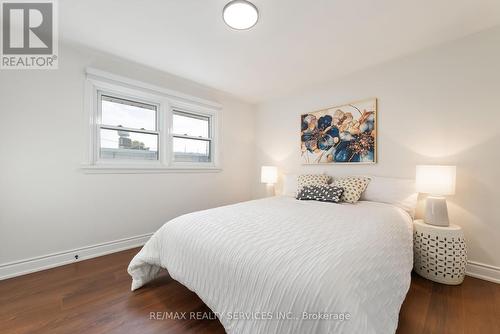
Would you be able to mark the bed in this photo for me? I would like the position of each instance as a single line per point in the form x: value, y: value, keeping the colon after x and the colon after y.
x: 279, y: 265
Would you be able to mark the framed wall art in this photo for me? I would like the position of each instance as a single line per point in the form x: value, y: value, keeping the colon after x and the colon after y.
x: 343, y: 134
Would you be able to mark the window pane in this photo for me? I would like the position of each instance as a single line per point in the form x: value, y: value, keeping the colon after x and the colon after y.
x: 191, y: 150
x: 128, y: 145
x: 129, y: 114
x: 191, y: 125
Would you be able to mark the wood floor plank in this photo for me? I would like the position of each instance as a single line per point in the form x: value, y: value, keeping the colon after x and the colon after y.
x: 94, y: 296
x: 445, y: 314
x: 482, y: 306
x: 418, y: 298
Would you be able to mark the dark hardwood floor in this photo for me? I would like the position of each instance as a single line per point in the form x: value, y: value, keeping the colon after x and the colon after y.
x: 93, y: 296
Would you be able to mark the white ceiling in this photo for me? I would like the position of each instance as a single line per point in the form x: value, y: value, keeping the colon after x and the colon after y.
x: 296, y: 43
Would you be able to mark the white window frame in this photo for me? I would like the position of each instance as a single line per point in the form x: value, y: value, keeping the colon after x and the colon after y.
x: 183, y: 108
x: 159, y: 129
x: 100, y: 83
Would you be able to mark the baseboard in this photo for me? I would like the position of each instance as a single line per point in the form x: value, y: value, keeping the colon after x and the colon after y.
x: 23, y: 267
x: 483, y: 271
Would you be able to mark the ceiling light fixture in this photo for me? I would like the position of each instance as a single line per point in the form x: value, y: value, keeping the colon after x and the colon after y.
x: 240, y: 14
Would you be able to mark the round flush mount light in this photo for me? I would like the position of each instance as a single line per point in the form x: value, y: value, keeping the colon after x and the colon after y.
x: 240, y: 14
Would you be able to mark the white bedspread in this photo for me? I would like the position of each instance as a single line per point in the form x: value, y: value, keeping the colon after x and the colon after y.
x: 280, y: 257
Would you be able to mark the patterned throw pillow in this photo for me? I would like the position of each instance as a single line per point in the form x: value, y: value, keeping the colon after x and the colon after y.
x: 324, y: 193
x: 311, y: 180
x: 353, y: 187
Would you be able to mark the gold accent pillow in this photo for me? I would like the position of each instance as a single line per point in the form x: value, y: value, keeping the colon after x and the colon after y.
x: 353, y: 187
x: 311, y: 180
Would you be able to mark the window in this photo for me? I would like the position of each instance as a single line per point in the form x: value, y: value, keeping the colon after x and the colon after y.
x: 191, y: 137
x: 128, y: 129
x: 138, y: 127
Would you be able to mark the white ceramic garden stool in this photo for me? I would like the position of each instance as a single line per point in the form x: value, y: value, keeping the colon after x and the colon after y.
x: 439, y: 253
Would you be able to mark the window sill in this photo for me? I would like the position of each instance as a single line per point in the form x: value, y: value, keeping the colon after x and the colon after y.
x: 127, y: 169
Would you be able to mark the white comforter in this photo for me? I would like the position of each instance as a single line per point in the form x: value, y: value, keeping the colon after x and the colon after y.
x: 260, y: 265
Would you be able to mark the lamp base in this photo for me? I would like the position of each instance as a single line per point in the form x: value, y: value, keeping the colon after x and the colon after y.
x: 436, y: 211
x: 270, y: 192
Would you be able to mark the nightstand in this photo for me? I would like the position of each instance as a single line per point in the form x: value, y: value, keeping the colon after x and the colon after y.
x: 439, y: 253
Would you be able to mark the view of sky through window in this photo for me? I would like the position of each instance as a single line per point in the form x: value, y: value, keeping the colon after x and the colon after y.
x: 117, y: 112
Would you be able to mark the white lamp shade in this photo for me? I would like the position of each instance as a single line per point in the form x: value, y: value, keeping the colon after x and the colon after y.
x: 436, y: 180
x: 269, y: 174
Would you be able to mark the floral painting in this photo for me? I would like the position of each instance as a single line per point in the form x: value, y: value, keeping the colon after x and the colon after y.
x: 343, y: 134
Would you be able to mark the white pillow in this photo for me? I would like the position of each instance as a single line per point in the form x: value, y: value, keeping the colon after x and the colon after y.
x: 398, y: 192
x: 290, y: 185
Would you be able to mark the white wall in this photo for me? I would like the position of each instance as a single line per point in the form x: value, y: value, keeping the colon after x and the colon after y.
x: 438, y: 106
x: 47, y: 204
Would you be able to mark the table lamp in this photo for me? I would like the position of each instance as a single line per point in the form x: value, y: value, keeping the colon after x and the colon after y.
x: 269, y: 175
x: 437, y: 181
